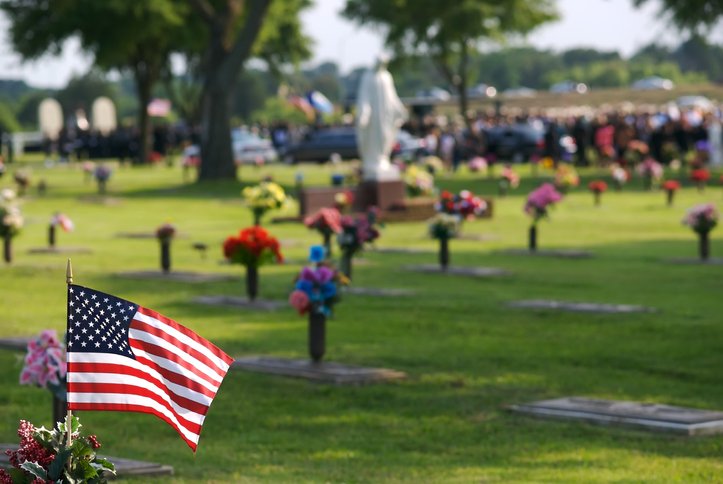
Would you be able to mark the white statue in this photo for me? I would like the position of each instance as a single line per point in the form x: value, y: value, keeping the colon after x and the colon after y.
x: 380, y: 114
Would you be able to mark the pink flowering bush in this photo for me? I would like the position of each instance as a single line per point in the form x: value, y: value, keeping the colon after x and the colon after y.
x: 702, y: 218
x: 45, y: 363
x: 541, y: 198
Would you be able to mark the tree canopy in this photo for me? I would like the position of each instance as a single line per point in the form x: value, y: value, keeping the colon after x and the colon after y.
x: 691, y: 14
x: 450, y: 32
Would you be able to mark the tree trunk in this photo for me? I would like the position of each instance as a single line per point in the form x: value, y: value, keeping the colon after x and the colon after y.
x: 144, y: 86
x: 216, y: 155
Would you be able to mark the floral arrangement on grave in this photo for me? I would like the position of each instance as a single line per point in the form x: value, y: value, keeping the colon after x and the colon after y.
x: 252, y: 248
x: 45, y: 456
x: 566, y: 177
x: 356, y: 232
x: 464, y: 205
x: 11, y: 221
x: 315, y: 293
x: 22, y: 180
x: 45, y: 366
x: 700, y: 177
x: 58, y: 220
x: 477, y: 165
x: 537, y: 207
x: 670, y: 187
x: 419, y: 183
x: 264, y: 197
x: 102, y: 175
x: 702, y: 219
x: 433, y: 164
x: 597, y: 187
x: 327, y: 221
x: 343, y: 201
x: 88, y: 168
x: 620, y: 176
x: 651, y: 172
x: 165, y: 234
x: 443, y: 227
x: 508, y: 179
x: 636, y: 152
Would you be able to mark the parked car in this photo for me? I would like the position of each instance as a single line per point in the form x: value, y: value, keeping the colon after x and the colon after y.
x: 517, y: 92
x: 319, y: 145
x: 434, y: 93
x: 653, y: 83
x: 482, y: 90
x: 569, y: 86
x: 516, y: 143
x: 251, y: 148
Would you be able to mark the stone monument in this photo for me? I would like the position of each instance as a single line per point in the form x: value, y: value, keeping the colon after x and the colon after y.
x: 379, y: 115
x: 104, y: 115
x: 50, y: 117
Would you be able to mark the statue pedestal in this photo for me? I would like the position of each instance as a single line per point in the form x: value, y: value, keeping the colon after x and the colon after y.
x: 385, y: 195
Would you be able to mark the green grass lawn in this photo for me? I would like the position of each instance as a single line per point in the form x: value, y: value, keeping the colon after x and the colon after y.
x: 467, y: 356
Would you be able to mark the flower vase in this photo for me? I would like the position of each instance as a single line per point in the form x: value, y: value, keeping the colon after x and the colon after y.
x: 101, y: 187
x: 7, y: 248
x: 327, y: 244
x: 252, y: 282
x: 444, y: 253
x: 257, y: 218
x: 618, y: 185
x: 165, y: 256
x: 51, y: 236
x: 597, y: 196
x: 670, y: 197
x: 647, y: 182
x: 60, y: 409
x: 704, y: 245
x: 532, y: 238
x: 317, y: 336
x: 701, y: 186
x: 346, y: 262
x: 502, y: 189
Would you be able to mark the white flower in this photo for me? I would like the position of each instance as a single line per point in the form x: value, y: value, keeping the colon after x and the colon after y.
x: 7, y: 195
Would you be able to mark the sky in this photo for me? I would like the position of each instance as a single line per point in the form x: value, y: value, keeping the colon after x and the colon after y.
x: 602, y: 24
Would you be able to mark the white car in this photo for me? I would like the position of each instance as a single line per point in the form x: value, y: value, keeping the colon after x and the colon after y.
x: 251, y: 148
x: 653, y: 83
x: 569, y: 86
x: 482, y: 90
x: 519, y: 92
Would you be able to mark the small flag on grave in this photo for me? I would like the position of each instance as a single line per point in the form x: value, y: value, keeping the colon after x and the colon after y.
x: 127, y: 358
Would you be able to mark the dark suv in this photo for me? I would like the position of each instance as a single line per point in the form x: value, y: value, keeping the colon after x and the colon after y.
x: 319, y: 145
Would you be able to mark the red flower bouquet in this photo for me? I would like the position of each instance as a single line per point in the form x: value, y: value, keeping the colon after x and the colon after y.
x: 670, y: 187
x: 466, y: 205
x: 597, y: 187
x: 327, y: 221
x: 700, y: 177
x: 252, y: 247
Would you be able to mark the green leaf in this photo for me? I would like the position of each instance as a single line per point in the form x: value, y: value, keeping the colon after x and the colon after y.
x: 35, y: 469
x: 105, y: 464
x: 56, y: 468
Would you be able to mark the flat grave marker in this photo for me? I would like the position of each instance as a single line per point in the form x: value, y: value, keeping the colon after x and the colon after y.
x: 650, y: 416
x: 579, y: 307
x: 480, y: 272
x: 378, y: 291
x: 178, y: 276
x: 123, y: 467
x: 326, y: 372
x: 559, y: 253
x: 240, y: 302
x: 15, y: 343
x: 713, y: 261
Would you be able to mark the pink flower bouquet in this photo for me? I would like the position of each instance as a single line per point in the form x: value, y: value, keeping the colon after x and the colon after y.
x: 539, y: 199
x: 45, y: 363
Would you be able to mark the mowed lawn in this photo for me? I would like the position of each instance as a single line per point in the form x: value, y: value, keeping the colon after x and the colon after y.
x: 468, y: 355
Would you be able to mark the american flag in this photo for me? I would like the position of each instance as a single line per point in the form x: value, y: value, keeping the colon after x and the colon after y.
x: 124, y: 357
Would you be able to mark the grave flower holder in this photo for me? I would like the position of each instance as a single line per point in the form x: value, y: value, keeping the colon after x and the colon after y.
x: 7, y: 248
x: 444, y: 253
x: 252, y: 282
x: 704, y: 245
x: 317, y: 336
x: 443, y: 227
x: 51, y: 235
x: 165, y: 234
x: 532, y: 238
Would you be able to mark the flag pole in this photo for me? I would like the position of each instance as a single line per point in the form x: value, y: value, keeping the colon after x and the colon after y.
x: 69, y: 415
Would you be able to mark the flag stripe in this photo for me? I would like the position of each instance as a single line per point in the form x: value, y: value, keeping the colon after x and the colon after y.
x: 170, y: 350
x: 192, y: 412
x: 97, y: 362
x: 170, y: 366
x: 182, y: 335
x: 88, y: 402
